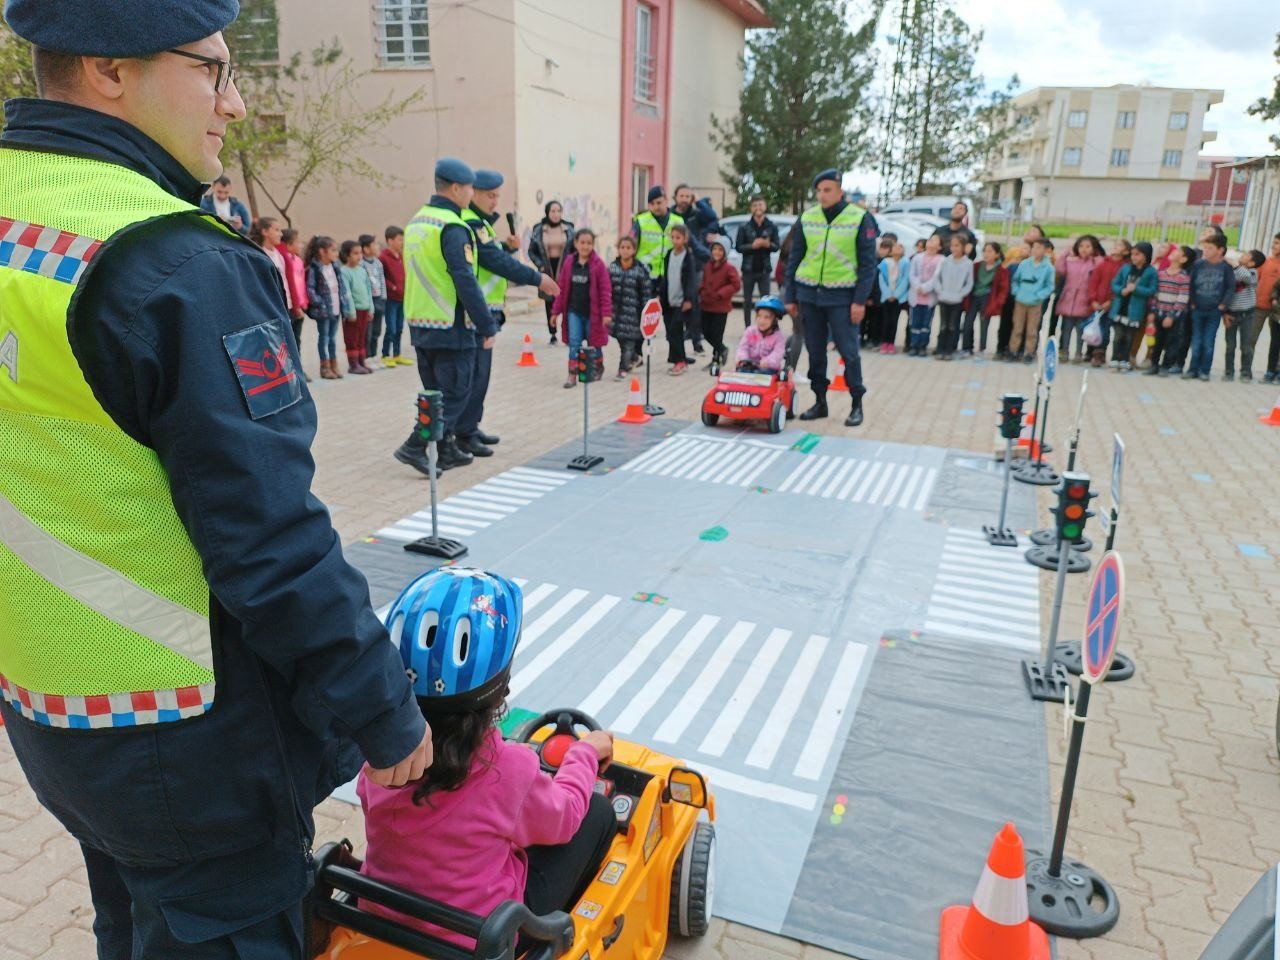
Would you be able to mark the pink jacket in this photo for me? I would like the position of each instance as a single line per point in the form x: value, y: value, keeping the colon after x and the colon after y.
x: 601, y: 298
x: 466, y: 847
x: 1074, y: 299
x: 295, y: 277
x: 766, y: 351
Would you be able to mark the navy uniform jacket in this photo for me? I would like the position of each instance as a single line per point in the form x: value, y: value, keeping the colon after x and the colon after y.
x: 496, y: 260
x: 835, y: 296
x: 305, y: 670
x: 457, y: 243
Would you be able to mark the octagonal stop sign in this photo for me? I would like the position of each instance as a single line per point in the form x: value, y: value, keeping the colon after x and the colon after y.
x: 650, y: 318
x: 1102, y: 628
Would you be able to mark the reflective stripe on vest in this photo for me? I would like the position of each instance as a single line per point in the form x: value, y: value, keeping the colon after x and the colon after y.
x: 104, y: 610
x: 655, y: 241
x: 430, y: 299
x: 831, y: 249
x: 493, y: 286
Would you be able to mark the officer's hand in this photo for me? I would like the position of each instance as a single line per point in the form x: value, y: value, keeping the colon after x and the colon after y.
x: 409, y: 769
x: 686, y: 306
x: 549, y: 287
x: 487, y: 343
x: 856, y: 312
x: 793, y: 310
x: 512, y: 242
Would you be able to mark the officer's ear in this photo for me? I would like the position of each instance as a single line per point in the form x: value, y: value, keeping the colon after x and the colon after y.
x: 105, y: 78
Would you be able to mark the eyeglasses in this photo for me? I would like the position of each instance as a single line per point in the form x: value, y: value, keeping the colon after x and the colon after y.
x: 226, y: 75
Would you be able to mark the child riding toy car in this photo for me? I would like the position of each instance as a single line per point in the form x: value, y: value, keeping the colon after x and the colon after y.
x: 761, y: 387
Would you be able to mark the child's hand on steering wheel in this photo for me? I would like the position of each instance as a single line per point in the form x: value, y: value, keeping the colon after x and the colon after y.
x: 602, y: 742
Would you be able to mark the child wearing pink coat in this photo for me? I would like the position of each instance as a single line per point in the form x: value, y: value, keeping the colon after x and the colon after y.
x: 763, y: 348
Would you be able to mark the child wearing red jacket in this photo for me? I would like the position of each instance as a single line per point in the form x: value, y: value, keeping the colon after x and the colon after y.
x: 720, y: 281
x: 1099, y: 294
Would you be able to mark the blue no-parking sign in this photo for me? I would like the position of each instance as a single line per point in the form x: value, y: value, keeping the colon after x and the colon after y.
x: 1102, y: 628
x: 1050, y: 359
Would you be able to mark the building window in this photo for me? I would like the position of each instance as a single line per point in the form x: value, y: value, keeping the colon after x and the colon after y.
x: 1077, y: 119
x: 402, y: 33
x: 1071, y: 156
x: 1172, y: 158
x: 1177, y: 121
x: 254, y: 38
x: 646, y: 79
x: 641, y: 177
x: 1014, y: 155
x: 1125, y: 119
x: 1120, y: 157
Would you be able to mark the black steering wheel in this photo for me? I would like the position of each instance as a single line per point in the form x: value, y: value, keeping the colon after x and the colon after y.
x: 566, y: 721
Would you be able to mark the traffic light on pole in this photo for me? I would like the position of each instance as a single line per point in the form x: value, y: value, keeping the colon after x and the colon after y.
x: 1011, y: 415
x: 1073, y: 506
x: 431, y: 416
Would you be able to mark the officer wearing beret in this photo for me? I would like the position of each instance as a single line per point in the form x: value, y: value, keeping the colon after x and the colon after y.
x: 187, y: 663
x: 445, y: 308
x: 497, y: 268
x: 652, y: 230
x: 828, y: 279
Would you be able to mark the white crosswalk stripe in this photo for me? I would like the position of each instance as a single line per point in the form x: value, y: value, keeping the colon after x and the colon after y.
x: 985, y: 593
x: 903, y: 485
x: 701, y: 458
x: 469, y: 511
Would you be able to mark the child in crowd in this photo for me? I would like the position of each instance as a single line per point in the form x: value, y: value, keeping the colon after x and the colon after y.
x: 1173, y: 295
x: 355, y: 321
x: 295, y: 272
x: 676, y: 292
x: 1213, y: 283
x: 1072, y: 303
x: 484, y: 824
x: 328, y: 301
x: 369, y: 249
x: 1269, y: 308
x: 953, y: 283
x: 763, y: 348
x: 1240, y: 320
x: 923, y: 296
x: 720, y: 281
x: 1100, y: 295
x: 869, y: 330
x: 584, y: 306
x: 1031, y: 284
x: 392, y: 260
x: 986, y: 299
x: 1133, y: 286
x: 631, y: 285
x: 895, y: 283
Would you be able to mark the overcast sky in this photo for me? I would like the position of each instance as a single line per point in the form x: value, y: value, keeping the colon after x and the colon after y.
x: 1178, y: 43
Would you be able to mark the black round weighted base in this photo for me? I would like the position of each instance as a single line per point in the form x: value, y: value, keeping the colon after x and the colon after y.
x: 1078, y: 903
x: 1046, y: 558
x: 1069, y: 655
x: 1038, y: 473
x: 1048, y: 537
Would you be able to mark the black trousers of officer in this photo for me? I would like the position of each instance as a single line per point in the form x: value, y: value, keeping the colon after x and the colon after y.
x: 450, y: 372
x: 832, y: 323
x: 473, y: 412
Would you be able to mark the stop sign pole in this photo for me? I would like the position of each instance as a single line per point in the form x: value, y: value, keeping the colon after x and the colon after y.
x: 650, y: 319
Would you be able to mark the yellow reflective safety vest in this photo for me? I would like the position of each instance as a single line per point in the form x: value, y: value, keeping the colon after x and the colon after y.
x: 104, y: 610
x: 655, y: 241
x: 430, y: 300
x: 494, y: 286
x: 830, y: 249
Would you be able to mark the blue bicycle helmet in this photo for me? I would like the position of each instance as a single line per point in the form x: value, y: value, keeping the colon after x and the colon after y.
x: 772, y: 303
x: 456, y: 629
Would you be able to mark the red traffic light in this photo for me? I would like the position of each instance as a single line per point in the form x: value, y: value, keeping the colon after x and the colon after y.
x: 1077, y: 491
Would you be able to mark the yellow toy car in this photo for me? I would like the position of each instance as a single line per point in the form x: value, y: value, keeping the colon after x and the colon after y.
x: 658, y: 878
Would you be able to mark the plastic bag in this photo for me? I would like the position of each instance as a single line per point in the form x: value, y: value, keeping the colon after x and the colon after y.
x: 1092, y: 332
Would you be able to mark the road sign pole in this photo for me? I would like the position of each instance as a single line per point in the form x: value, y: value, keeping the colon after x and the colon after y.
x: 650, y: 318
x: 431, y: 461
x: 1004, y: 493
x: 1069, y: 779
x: 1036, y: 471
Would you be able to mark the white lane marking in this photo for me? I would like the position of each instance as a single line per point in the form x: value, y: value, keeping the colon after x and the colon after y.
x: 626, y: 668
x: 462, y: 511
x: 518, y: 487
x: 865, y: 487
x: 469, y: 498
x: 503, y: 494
x: 731, y: 463
x: 411, y: 530
x: 793, y: 476
x: 548, y: 620
x: 821, y: 477
x: 712, y: 471
x: 949, y: 593
x: 705, y: 455
x: 562, y: 644
x: 1007, y: 639
x: 658, y: 452
x: 908, y: 488
x: 813, y: 463
x: 941, y: 608
x: 838, y: 478
x: 994, y: 583
x: 671, y: 667
x: 926, y: 489
x: 853, y: 479
x: 822, y: 735
x: 545, y: 475
x: 784, y: 708
x: 696, y: 696
x: 735, y: 711
x: 538, y: 594
x: 986, y: 565
x: 736, y: 783
x: 889, y: 470
x: 747, y: 474
x: 1010, y: 558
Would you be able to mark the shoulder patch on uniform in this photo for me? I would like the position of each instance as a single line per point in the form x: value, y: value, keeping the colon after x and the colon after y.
x: 262, y: 359
x: 466, y: 252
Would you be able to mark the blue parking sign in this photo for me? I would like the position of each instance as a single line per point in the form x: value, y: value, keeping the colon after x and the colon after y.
x: 1050, y: 359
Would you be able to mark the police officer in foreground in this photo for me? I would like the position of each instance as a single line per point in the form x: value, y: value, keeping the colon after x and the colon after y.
x: 828, y: 280
x: 445, y: 308
x: 187, y: 663
x: 497, y: 268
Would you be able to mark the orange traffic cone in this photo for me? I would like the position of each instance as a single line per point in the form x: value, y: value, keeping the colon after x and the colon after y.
x: 996, y: 925
x: 1273, y: 418
x: 635, y: 406
x: 1027, y: 445
x: 527, y: 359
x: 838, y: 384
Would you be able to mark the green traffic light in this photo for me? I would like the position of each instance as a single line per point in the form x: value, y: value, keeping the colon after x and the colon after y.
x: 1071, y: 531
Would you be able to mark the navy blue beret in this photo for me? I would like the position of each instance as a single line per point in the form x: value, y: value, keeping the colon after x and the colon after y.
x: 831, y: 173
x: 488, y: 180
x: 655, y: 193
x: 453, y: 170
x: 117, y: 28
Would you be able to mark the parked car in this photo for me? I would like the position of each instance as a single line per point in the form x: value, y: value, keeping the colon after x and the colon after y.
x: 730, y: 225
x: 935, y: 206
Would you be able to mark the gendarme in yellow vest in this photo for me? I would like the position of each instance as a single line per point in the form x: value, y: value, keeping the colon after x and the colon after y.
x: 494, y: 286
x: 655, y: 241
x: 830, y: 249
x: 430, y: 299
x: 104, y: 610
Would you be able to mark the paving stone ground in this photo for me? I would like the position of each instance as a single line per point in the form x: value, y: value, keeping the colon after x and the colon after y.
x: 1179, y: 795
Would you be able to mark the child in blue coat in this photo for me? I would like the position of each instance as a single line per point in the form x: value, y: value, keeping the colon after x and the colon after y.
x: 1133, y: 287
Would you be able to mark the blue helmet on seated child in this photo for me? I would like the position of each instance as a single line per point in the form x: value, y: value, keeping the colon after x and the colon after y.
x: 457, y: 630
x: 772, y: 303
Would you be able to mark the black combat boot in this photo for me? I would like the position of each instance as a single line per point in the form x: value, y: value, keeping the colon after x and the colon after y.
x: 449, y: 454
x: 855, y: 415
x: 819, y: 409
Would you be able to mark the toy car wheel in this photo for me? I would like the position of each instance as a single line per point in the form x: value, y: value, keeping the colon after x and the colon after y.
x: 710, y: 419
x: 791, y: 405
x: 693, y: 883
x: 777, y: 417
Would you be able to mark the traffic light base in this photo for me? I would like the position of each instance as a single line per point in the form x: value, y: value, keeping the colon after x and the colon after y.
x: 1048, y: 537
x: 653, y: 410
x: 1051, y: 686
x: 441, y: 547
x: 1036, y: 472
x: 1069, y: 655
x: 1046, y: 558
x: 1078, y: 903
x: 584, y: 462
x: 999, y: 537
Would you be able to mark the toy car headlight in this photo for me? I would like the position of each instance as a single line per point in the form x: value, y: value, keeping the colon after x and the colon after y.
x: 755, y: 399
x: 719, y: 396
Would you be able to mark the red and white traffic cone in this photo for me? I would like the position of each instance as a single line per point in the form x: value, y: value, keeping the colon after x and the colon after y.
x: 1027, y: 445
x: 1272, y: 419
x: 527, y: 359
x: 635, y: 406
x: 838, y: 385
